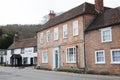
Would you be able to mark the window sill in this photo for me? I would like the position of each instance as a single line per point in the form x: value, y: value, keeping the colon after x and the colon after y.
x: 106, y: 41
x: 70, y: 62
x: 100, y: 63
x: 75, y: 35
x: 56, y: 40
x: 115, y: 62
x: 65, y: 37
x: 44, y: 62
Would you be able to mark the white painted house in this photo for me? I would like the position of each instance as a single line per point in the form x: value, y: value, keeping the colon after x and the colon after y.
x: 2, y: 56
x: 22, y: 52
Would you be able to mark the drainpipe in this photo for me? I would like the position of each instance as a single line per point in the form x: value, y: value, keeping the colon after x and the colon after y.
x: 77, y: 56
x: 84, y: 45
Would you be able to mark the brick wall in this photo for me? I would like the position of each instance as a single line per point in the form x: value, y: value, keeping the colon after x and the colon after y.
x: 93, y: 43
x: 70, y: 41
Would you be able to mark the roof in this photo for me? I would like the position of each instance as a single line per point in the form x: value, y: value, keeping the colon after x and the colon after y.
x: 85, y: 8
x: 108, y: 18
x: 24, y: 43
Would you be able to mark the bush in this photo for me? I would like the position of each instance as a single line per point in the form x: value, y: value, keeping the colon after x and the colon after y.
x: 43, y: 68
x: 71, y: 70
x: 116, y: 74
x: 91, y: 72
x: 104, y: 73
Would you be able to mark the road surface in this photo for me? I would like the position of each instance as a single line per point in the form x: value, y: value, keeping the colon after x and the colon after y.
x: 9, y: 73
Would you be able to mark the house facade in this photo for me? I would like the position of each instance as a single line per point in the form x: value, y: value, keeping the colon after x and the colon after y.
x: 61, y: 40
x: 87, y: 36
x: 102, y: 42
x: 23, y: 52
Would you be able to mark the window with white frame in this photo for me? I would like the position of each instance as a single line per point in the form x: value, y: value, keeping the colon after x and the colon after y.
x: 56, y: 33
x: 115, y: 56
x: 35, y: 60
x: 75, y: 28
x: 12, y: 51
x: 99, y: 57
x: 35, y: 49
x: 22, y: 50
x: 71, y: 55
x: 48, y: 36
x: 41, y: 38
x: 65, y: 31
x: 44, y: 57
x: 25, y: 60
x: 106, y: 35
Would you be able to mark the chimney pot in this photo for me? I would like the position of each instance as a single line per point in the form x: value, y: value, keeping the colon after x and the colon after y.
x: 51, y: 14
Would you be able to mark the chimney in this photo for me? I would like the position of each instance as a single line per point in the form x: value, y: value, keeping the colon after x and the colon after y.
x: 99, y: 5
x: 16, y: 37
x: 51, y: 14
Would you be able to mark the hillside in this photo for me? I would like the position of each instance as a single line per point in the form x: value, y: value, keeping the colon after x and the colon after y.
x: 7, y: 33
x: 25, y: 31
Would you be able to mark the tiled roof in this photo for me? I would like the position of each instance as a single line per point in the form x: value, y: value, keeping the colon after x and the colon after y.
x: 107, y: 19
x: 85, y: 8
x: 24, y: 43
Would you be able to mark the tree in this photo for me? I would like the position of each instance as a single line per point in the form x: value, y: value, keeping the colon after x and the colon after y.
x: 1, y: 32
x: 5, y: 41
x: 45, y: 18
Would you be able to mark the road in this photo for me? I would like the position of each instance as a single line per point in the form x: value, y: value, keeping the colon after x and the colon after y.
x: 8, y: 73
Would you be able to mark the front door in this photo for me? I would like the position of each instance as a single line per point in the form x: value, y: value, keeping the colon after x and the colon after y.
x: 31, y: 61
x: 55, y: 58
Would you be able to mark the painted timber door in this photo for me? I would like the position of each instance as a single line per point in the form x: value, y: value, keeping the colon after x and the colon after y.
x: 56, y: 57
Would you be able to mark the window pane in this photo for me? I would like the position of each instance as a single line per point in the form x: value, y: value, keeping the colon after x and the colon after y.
x: 100, y: 56
x: 44, y: 57
x: 41, y: 38
x: 48, y: 36
x: 71, y: 55
x: 106, y: 35
x: 65, y: 31
x: 75, y: 28
x: 116, y: 56
x: 56, y: 34
x: 25, y: 60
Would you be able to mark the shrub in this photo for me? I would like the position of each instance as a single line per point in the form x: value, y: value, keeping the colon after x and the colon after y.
x: 91, y: 72
x: 43, y: 68
x: 116, y: 74
x: 104, y: 73
x: 71, y: 70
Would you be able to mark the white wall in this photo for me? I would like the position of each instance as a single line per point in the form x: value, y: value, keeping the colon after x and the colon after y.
x: 17, y: 51
x: 8, y: 56
x: 28, y: 52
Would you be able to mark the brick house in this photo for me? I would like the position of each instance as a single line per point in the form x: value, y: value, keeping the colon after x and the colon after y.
x: 23, y: 52
x: 70, y: 40
x: 61, y: 40
x: 102, y: 42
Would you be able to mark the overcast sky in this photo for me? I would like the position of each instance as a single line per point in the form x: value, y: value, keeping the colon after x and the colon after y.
x: 32, y: 11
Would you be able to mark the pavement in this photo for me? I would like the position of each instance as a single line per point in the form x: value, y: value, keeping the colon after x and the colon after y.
x: 29, y: 73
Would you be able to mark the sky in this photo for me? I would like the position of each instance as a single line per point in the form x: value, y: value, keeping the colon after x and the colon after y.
x: 32, y: 11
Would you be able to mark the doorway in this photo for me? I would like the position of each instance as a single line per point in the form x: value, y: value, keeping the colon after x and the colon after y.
x: 56, y: 60
x: 16, y: 60
x: 31, y: 61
